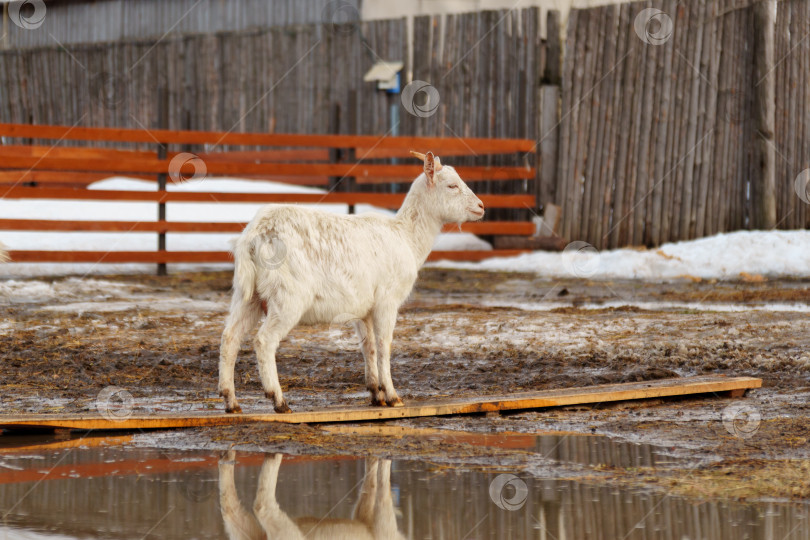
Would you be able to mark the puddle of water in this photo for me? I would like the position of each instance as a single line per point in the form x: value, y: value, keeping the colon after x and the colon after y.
x: 560, y: 447
x: 82, y: 488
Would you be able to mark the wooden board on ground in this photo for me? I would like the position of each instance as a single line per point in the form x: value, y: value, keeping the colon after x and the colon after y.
x: 443, y: 407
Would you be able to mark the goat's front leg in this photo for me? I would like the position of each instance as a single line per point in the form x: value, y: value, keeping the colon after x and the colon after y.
x: 368, y: 345
x: 384, y: 320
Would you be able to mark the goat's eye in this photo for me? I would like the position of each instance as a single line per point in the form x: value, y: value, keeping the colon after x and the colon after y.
x: 453, y: 186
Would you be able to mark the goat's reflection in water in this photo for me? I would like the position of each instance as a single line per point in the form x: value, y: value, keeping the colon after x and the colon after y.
x: 373, y: 516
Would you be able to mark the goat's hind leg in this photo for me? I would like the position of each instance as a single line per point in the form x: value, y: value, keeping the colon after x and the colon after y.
x: 368, y: 345
x: 241, y: 320
x: 275, y: 327
x: 276, y: 523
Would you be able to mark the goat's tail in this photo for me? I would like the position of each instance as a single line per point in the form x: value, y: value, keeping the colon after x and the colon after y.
x: 3, y: 253
x: 244, y: 273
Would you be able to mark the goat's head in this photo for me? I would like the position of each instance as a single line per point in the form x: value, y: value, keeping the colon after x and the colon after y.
x: 447, y: 194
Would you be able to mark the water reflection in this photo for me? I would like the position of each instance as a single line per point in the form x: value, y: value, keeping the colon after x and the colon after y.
x: 86, y: 489
x: 373, y: 515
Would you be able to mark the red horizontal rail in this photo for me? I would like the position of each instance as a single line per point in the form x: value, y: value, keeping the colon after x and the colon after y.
x: 358, y: 170
x: 383, y: 200
x: 20, y: 150
x: 485, y: 227
x: 472, y: 146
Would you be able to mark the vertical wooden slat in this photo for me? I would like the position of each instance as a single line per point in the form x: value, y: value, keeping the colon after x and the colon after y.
x: 594, y: 108
x: 693, y: 115
x: 622, y: 203
x: 569, y: 115
x: 583, y: 109
x: 708, y: 157
x: 643, y: 171
x: 802, y: 216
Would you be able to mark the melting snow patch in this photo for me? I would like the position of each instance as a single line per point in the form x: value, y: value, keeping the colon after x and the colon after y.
x: 140, y: 303
x: 145, y: 212
x: 741, y: 254
x: 655, y: 306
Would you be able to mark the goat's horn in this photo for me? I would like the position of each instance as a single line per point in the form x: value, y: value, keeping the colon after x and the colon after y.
x: 418, y: 155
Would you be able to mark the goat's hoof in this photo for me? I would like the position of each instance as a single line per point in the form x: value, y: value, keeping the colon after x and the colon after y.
x: 396, y: 402
x: 236, y: 409
x: 282, y: 409
x: 377, y: 398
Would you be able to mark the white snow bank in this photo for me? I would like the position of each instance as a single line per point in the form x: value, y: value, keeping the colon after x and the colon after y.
x: 771, y: 254
x: 141, y: 303
x: 779, y: 307
x: 11, y: 533
x: 145, y: 211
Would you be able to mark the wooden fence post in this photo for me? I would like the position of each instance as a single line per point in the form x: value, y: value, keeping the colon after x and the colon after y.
x: 163, y: 123
x: 553, y: 69
x: 548, y: 128
x: 763, y: 192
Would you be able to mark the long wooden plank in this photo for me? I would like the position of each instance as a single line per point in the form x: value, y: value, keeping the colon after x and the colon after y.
x: 121, y: 165
x: 384, y: 200
x: 306, y: 154
x: 484, y: 227
x: 53, y: 178
x: 72, y: 179
x: 207, y: 256
x: 470, y: 146
x: 446, y: 407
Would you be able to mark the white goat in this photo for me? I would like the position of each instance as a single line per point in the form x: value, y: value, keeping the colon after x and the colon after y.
x: 308, y: 266
x: 3, y: 253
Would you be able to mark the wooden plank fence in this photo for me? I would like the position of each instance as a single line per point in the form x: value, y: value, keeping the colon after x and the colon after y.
x: 604, y: 393
x: 659, y: 142
x: 641, y: 142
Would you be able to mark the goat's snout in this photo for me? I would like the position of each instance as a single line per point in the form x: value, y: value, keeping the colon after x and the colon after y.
x: 478, y: 208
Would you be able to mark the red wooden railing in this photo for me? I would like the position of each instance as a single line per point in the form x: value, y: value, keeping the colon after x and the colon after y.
x: 61, y: 172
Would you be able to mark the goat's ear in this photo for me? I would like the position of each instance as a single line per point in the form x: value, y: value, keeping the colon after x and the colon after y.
x: 438, y: 163
x: 430, y: 169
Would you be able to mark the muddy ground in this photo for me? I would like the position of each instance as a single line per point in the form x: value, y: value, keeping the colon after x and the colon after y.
x: 64, y: 340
